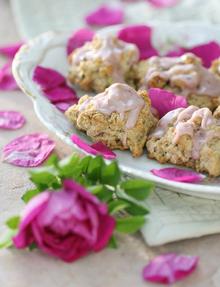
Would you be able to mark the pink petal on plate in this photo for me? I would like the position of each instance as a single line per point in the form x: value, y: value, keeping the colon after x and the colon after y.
x: 28, y: 150
x: 79, y: 38
x: 207, y: 52
x: 11, y: 120
x: 63, y: 106
x: 163, y: 3
x: 60, y: 94
x: 169, y: 268
x: 164, y: 101
x: 7, y: 81
x: 48, y: 78
x: 105, y: 15
x: 178, y: 174
x: 10, y: 50
x: 95, y: 149
x: 140, y: 35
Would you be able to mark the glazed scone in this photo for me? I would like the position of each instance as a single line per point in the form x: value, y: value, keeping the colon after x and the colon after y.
x: 103, y: 61
x: 184, y: 76
x: 188, y: 137
x: 119, y: 117
x: 215, y: 67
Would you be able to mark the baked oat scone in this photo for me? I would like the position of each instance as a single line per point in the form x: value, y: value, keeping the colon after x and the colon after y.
x: 188, y: 137
x: 184, y: 76
x: 119, y: 117
x: 103, y: 61
x: 215, y: 67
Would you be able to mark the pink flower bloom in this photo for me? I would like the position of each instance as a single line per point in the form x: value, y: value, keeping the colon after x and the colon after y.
x: 7, y: 81
x: 141, y: 36
x: 79, y: 38
x: 96, y: 149
x: 178, y: 174
x: 165, y: 101
x: 169, y: 268
x: 68, y: 224
x: 10, y: 50
x: 105, y: 15
x: 11, y: 120
x: 29, y: 150
x: 163, y: 3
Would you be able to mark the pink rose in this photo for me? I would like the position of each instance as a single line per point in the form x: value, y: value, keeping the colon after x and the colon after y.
x: 67, y: 224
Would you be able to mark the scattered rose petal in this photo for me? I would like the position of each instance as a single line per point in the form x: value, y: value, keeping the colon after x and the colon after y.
x: 60, y: 94
x: 95, y: 149
x: 177, y: 174
x: 64, y: 106
x: 11, y: 120
x: 48, y: 78
x: 29, y: 150
x: 163, y: 3
x: 164, y: 101
x: 140, y: 35
x: 169, y: 268
x: 10, y: 50
x: 7, y: 81
x: 79, y: 38
x: 105, y: 15
x: 208, y: 52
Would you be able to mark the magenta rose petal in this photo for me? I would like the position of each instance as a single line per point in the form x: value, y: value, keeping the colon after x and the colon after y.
x: 105, y: 15
x: 169, y: 268
x: 11, y: 120
x: 60, y: 94
x: 10, y: 50
x: 141, y: 36
x: 163, y: 3
x: 78, y: 39
x: 64, y: 106
x: 179, y: 175
x: 28, y: 150
x: 95, y: 149
x: 103, y: 149
x: 207, y: 52
x: 48, y: 78
x: 164, y: 101
x: 7, y: 81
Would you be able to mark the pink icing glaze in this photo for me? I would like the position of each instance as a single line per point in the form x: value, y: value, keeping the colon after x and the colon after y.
x: 110, y: 51
x: 194, y: 77
x: 119, y: 98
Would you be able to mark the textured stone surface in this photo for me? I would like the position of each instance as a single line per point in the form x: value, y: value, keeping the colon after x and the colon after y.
x: 121, y: 267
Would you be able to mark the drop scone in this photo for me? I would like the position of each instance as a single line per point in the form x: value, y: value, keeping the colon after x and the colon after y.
x: 103, y: 61
x: 188, y: 137
x: 184, y: 76
x: 119, y: 117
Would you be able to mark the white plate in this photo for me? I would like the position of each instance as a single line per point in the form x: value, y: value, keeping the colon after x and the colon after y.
x: 49, y: 50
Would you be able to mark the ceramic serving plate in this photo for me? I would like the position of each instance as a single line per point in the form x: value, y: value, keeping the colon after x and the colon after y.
x: 49, y: 50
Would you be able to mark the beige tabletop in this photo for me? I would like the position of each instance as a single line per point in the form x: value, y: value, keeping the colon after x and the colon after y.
x: 121, y: 267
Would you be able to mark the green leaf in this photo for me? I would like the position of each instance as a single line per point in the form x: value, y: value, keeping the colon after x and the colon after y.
x: 117, y: 205
x: 28, y: 195
x: 112, y: 243
x: 6, y: 238
x: 137, y: 188
x: 129, y: 224
x: 45, y: 177
x: 95, y: 167
x: 68, y: 165
x: 52, y: 160
x: 13, y: 222
x: 84, y: 163
x: 135, y: 209
x: 111, y: 174
x: 32, y: 246
x: 102, y: 192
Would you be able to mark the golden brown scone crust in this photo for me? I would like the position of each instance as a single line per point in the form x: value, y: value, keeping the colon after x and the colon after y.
x: 96, y: 74
x: 111, y: 129
x: 165, y: 150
